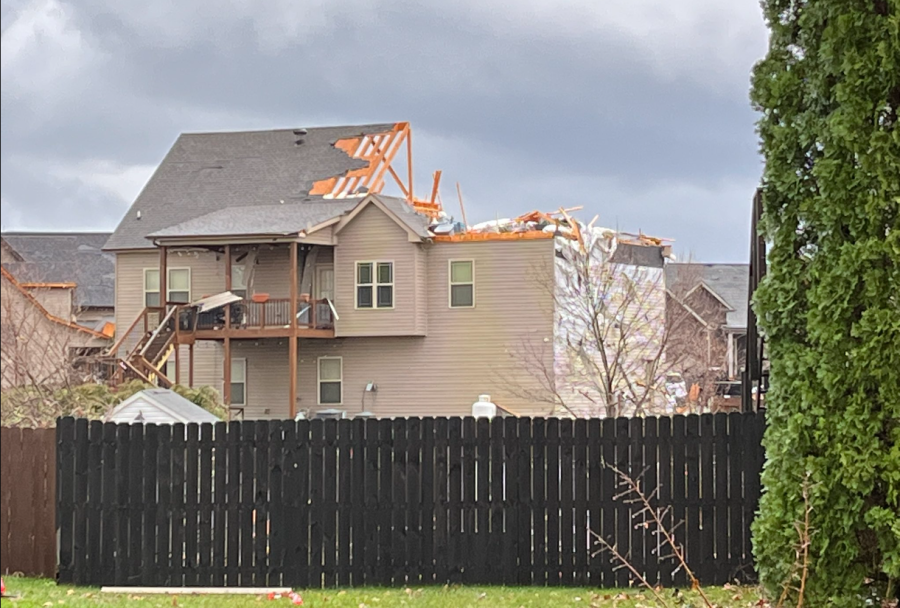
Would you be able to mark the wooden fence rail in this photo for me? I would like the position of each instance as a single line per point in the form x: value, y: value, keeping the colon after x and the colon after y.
x: 28, y: 501
x: 402, y: 502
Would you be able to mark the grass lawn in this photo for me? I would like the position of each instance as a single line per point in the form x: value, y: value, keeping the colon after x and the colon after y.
x: 45, y: 593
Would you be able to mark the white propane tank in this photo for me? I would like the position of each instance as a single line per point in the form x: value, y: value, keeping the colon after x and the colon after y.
x: 483, y: 408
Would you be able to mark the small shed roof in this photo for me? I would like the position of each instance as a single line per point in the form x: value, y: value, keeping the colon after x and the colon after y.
x: 172, y: 406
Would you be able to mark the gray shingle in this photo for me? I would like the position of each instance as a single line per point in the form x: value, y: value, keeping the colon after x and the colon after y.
x: 731, y: 282
x: 208, y: 172
x: 405, y: 213
x: 63, y: 257
x: 288, y: 218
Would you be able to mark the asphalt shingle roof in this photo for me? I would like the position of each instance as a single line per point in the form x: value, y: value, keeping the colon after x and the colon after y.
x: 287, y: 218
x: 731, y: 282
x: 66, y: 257
x: 207, y: 172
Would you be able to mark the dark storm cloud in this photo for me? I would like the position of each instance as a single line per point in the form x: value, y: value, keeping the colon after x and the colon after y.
x: 523, y: 113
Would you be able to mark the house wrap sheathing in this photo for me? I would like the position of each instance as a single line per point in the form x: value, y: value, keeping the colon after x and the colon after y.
x: 609, y: 328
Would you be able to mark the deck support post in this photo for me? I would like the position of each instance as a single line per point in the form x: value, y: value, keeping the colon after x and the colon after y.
x: 163, y: 279
x: 292, y: 376
x: 226, y: 382
x: 227, y: 285
x: 191, y: 365
x: 292, y: 340
x: 177, y: 356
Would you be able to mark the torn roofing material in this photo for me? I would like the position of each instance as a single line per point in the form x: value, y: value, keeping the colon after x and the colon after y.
x: 730, y: 282
x: 208, y: 172
x: 286, y: 219
x: 65, y: 257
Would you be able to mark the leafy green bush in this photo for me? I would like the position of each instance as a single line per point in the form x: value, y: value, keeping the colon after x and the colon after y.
x: 39, y: 407
x: 829, y: 94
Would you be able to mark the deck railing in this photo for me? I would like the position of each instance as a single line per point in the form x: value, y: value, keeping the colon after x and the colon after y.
x: 246, y: 314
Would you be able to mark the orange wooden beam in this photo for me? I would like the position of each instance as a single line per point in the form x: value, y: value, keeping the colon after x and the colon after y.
x: 32, y: 285
x: 437, y: 184
x: 399, y: 181
x: 389, y: 151
x: 467, y: 237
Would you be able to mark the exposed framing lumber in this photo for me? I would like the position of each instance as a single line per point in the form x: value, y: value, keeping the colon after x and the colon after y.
x: 493, y: 236
x: 378, y: 150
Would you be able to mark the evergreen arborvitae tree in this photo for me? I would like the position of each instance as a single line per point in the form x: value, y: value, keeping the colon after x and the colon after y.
x: 829, y: 95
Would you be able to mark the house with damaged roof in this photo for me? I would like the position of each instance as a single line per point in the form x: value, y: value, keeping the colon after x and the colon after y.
x: 68, y: 272
x: 272, y: 266
x: 57, y: 305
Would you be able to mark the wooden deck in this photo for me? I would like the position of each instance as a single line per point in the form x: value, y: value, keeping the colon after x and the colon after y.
x: 248, y: 319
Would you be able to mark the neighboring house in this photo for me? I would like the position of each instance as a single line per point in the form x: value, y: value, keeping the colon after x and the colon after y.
x: 713, y: 341
x: 68, y: 272
x: 39, y: 347
x: 159, y: 406
x: 269, y: 266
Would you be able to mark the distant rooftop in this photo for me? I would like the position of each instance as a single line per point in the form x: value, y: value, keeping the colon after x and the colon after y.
x: 731, y: 282
x: 65, y: 257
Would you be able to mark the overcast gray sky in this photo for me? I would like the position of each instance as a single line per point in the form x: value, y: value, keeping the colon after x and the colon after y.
x: 636, y: 109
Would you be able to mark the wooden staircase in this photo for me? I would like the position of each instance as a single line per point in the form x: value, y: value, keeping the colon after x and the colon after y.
x: 146, y: 359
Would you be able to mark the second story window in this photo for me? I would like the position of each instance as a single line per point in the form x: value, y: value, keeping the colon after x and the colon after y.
x: 374, y: 284
x: 178, y: 286
x: 462, y: 284
x: 151, y: 288
x: 238, y: 281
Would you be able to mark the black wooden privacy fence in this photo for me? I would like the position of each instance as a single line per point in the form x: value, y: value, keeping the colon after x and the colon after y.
x: 401, y: 502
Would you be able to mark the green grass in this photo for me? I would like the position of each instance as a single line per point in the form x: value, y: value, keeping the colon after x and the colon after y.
x: 45, y: 593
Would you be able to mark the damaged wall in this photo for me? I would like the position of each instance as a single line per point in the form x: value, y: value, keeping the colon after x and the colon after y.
x: 609, y: 328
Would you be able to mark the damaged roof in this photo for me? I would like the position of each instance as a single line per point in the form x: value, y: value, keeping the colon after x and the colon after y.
x: 288, y: 218
x: 208, y: 172
x: 65, y: 257
x: 731, y: 282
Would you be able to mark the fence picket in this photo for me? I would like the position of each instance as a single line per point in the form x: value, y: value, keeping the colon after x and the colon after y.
x: 390, y: 502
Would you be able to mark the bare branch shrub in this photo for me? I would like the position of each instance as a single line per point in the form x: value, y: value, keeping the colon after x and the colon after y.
x: 612, y: 350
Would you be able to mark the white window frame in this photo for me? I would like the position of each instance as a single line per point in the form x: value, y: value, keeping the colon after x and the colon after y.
x: 243, y: 363
x: 319, y: 381
x: 146, y: 291
x: 374, y: 284
x: 243, y: 287
x: 450, y: 283
x: 168, y: 284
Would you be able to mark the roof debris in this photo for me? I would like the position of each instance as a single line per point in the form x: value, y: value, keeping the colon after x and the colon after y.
x: 537, y: 225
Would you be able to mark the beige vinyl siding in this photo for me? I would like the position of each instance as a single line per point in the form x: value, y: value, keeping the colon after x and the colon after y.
x: 325, y: 236
x: 207, y: 278
x: 38, y: 351
x: 421, y: 261
x: 272, y: 273
x: 208, y: 361
x: 130, y: 267
x: 267, y: 377
x: 374, y: 237
x: 55, y: 300
x: 467, y: 351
